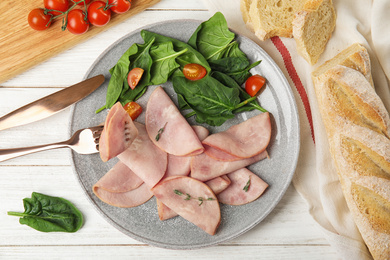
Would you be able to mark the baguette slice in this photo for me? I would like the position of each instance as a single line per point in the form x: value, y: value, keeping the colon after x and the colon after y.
x: 272, y: 17
x: 355, y: 57
x: 362, y: 158
x: 313, y: 27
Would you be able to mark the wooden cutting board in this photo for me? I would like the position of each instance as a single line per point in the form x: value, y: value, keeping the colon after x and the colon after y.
x: 22, y: 47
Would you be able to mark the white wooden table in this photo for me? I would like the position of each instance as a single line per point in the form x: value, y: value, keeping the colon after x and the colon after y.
x: 288, y: 232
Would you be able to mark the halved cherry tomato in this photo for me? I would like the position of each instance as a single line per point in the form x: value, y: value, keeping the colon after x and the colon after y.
x: 120, y: 6
x: 134, y: 77
x: 194, y: 71
x: 38, y: 20
x: 59, y: 5
x: 77, y: 22
x: 99, y: 13
x: 133, y: 109
x: 253, y: 84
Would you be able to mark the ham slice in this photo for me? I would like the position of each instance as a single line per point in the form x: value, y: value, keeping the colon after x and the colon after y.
x: 127, y: 199
x: 178, y: 166
x: 181, y: 194
x: 164, y: 121
x: 205, y: 168
x: 235, y: 193
x: 219, y: 184
x: 144, y: 158
x: 241, y: 141
x: 118, y: 133
x: 119, y: 178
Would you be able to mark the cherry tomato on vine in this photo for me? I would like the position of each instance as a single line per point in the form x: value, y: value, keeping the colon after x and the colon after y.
x: 133, y: 109
x: 77, y: 22
x: 38, y: 20
x: 134, y: 77
x: 120, y: 6
x: 99, y: 13
x: 253, y: 84
x: 82, y: 4
x: 194, y: 71
x: 59, y: 5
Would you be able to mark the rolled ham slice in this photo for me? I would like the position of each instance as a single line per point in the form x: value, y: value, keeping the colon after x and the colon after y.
x: 127, y: 199
x: 119, y: 178
x: 241, y: 141
x: 206, y: 215
x: 235, y: 194
x: 118, y: 133
x: 164, y: 121
x: 144, y: 158
x: 204, y: 167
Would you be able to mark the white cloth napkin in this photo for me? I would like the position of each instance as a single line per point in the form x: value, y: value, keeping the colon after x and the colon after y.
x: 362, y: 21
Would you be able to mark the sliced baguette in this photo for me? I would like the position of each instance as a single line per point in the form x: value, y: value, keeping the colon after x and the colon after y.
x: 313, y: 27
x: 355, y: 57
x: 244, y: 7
x: 272, y: 17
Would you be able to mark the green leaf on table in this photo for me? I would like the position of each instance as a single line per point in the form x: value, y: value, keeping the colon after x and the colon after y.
x: 49, y: 214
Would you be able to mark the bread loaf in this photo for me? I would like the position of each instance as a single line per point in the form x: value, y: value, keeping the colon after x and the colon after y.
x: 268, y: 18
x: 358, y: 129
x: 313, y: 27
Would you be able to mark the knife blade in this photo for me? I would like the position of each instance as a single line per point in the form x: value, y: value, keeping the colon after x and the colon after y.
x: 51, y: 104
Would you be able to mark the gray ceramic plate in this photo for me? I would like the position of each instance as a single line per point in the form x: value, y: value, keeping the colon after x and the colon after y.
x: 142, y: 222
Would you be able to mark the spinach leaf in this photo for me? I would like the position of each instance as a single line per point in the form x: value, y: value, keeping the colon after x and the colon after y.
x: 136, y: 56
x: 212, y: 102
x: 164, y: 62
x: 190, y: 56
x: 49, y: 214
x: 227, y: 81
x: 212, y: 37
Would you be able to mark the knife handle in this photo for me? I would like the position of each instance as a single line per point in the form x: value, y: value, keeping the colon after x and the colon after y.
x: 6, y: 154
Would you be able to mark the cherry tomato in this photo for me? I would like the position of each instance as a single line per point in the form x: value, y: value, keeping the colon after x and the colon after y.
x: 99, y: 13
x: 59, y: 5
x: 193, y: 71
x: 38, y: 20
x: 82, y: 4
x: 120, y: 6
x: 134, y: 77
x: 77, y: 22
x: 133, y: 109
x: 253, y: 84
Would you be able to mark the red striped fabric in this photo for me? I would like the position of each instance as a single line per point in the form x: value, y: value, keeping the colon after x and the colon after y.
x: 295, y: 79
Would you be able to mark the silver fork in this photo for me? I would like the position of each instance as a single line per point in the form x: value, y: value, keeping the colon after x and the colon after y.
x: 83, y: 141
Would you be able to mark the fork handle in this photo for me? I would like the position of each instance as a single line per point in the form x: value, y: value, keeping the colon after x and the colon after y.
x: 6, y: 154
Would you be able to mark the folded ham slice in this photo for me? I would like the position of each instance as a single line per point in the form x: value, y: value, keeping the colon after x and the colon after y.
x: 204, y: 167
x: 119, y: 178
x: 144, y: 158
x: 245, y: 187
x: 178, y: 166
x: 127, y: 199
x: 191, y: 199
x: 118, y: 133
x: 167, y: 128
x: 219, y: 184
x: 241, y: 141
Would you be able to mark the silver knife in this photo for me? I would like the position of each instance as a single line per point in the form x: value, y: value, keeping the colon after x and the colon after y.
x: 50, y: 104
